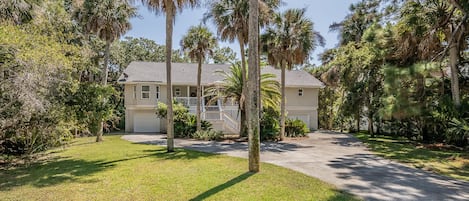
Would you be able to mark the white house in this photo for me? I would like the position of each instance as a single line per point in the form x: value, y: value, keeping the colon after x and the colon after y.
x: 145, y: 85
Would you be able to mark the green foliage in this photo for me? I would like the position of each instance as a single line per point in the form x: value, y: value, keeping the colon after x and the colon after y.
x: 185, y: 124
x: 90, y: 102
x: 223, y: 55
x: 269, y: 124
x: 295, y: 128
x: 458, y: 132
x: 207, y: 135
x: 36, y: 79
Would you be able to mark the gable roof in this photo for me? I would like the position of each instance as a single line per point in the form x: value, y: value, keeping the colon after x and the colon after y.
x: 186, y: 74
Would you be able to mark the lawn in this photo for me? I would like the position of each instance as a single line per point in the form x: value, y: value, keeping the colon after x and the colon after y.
x: 119, y: 170
x: 451, y: 163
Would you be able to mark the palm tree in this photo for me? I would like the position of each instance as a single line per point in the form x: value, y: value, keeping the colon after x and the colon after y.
x: 198, y: 43
x: 289, y: 41
x: 232, y: 85
x: 231, y: 18
x: 253, y: 88
x: 170, y: 7
x: 109, y: 20
x: 430, y: 30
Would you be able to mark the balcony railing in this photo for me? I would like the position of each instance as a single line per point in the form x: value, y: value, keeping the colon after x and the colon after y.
x: 187, y: 101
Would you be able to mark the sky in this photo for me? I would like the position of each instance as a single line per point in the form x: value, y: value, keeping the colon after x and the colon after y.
x: 322, y: 12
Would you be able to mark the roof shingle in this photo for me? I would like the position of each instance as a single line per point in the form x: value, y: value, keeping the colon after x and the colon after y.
x: 186, y: 73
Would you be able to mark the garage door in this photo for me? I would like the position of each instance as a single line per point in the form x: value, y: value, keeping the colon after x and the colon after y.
x: 304, y: 118
x: 146, y: 122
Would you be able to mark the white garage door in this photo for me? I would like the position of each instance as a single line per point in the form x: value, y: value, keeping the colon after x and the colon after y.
x: 146, y: 122
x: 304, y: 118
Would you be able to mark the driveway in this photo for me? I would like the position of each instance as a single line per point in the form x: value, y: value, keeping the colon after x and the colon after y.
x: 339, y: 159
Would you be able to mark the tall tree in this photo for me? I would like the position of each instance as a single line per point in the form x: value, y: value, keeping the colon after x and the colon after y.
x: 363, y: 14
x: 109, y: 20
x: 169, y: 7
x: 199, y: 43
x: 287, y: 42
x: 253, y: 87
x: 231, y: 18
x: 429, y: 30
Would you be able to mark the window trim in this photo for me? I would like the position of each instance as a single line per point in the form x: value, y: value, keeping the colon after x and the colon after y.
x: 145, y: 92
x: 300, y: 92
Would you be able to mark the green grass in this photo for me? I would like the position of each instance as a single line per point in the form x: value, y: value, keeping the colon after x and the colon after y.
x: 120, y: 170
x: 446, y: 162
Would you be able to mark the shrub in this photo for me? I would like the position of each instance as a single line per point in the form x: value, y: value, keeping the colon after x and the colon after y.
x: 269, y: 124
x: 208, y: 135
x: 295, y: 128
x: 185, y: 124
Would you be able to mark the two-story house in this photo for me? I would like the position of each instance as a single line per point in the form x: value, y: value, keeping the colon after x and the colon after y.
x: 145, y: 85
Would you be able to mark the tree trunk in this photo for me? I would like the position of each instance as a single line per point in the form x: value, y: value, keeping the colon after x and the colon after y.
x: 243, y: 126
x: 170, y: 12
x: 253, y: 87
x: 358, y: 120
x: 99, y: 134
x: 454, y: 61
x: 282, y: 103
x: 199, y: 77
x: 371, y: 127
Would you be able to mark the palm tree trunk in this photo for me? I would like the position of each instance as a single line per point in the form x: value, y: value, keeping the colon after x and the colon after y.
x: 170, y: 12
x: 99, y: 134
x: 199, y: 77
x: 454, y: 61
x: 282, y: 104
x: 243, y: 127
x: 253, y: 87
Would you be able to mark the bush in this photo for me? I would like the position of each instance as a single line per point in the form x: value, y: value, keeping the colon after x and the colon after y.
x: 185, y: 124
x: 208, y: 135
x: 295, y: 128
x: 269, y: 124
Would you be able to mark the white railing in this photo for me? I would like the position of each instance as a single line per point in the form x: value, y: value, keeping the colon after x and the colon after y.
x: 187, y: 101
x: 212, y: 115
x: 230, y: 122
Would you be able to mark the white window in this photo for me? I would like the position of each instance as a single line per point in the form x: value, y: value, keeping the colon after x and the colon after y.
x: 157, y: 92
x: 145, y: 92
x: 135, y: 92
x: 300, y: 92
x: 177, y: 91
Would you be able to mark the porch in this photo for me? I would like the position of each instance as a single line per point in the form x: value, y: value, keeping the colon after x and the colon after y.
x: 224, y: 116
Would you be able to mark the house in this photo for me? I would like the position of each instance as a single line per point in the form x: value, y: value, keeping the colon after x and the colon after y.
x: 145, y: 85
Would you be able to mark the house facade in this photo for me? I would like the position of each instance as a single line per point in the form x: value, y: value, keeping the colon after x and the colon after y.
x: 145, y: 85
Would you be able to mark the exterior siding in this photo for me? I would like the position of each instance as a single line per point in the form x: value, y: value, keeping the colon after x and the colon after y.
x: 295, y: 104
x: 303, y: 105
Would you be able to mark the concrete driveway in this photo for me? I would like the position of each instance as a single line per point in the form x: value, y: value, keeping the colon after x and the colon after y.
x: 342, y: 160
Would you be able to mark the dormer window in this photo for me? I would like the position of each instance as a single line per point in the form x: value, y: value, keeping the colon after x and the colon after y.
x: 300, y: 92
x: 145, y: 92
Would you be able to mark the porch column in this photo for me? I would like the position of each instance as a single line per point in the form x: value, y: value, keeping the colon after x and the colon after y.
x: 188, y: 95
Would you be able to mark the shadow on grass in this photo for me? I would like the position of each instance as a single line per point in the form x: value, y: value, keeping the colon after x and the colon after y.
x: 178, y: 154
x: 223, y: 186
x: 51, y: 173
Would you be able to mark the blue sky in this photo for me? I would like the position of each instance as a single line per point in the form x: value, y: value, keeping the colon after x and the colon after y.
x: 322, y: 12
